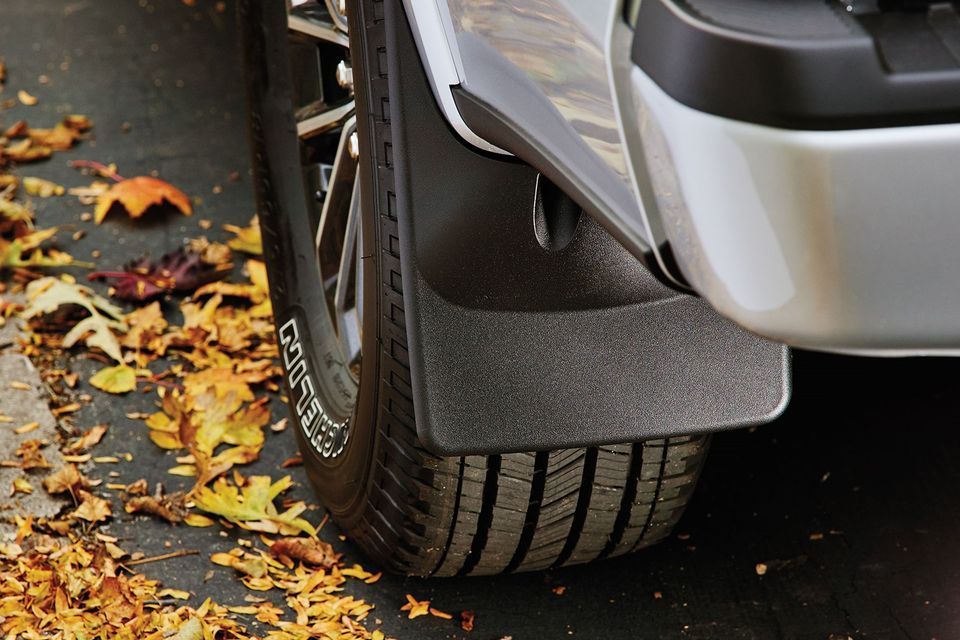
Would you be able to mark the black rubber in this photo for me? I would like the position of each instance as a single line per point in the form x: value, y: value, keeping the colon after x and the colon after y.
x: 415, y: 512
x: 806, y: 64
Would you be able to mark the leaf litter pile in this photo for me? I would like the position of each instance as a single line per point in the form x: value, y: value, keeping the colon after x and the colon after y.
x: 213, y: 373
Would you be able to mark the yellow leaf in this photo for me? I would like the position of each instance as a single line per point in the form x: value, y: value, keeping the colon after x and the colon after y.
x: 27, y: 428
x: 119, y: 379
x: 248, y: 239
x: 252, y: 505
x: 26, y: 99
x: 42, y: 188
x: 185, y: 470
x: 197, y: 520
x: 166, y: 440
x: 250, y: 610
x: 21, y: 485
x: 192, y: 629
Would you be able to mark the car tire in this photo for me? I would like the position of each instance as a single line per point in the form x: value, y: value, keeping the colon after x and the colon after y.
x: 414, y: 512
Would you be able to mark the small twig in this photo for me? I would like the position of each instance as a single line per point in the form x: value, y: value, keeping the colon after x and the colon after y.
x: 97, y: 167
x: 163, y: 556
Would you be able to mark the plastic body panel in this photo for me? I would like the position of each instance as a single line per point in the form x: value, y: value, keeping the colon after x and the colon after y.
x: 805, y: 64
x: 834, y: 240
x: 516, y: 348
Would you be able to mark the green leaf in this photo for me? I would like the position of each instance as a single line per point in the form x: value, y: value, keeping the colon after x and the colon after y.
x: 119, y: 379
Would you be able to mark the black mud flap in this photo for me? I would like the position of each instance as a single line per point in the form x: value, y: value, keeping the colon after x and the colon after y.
x: 529, y: 327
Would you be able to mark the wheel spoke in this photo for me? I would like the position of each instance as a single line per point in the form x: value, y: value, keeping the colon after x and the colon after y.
x: 317, y: 30
x: 337, y: 16
x: 347, y: 255
x: 338, y: 231
x: 341, y: 179
x: 348, y: 318
x: 322, y: 118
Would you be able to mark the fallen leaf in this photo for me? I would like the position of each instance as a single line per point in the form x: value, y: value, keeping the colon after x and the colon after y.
x: 118, y: 379
x: 415, y: 608
x: 90, y: 438
x: 180, y: 271
x: 251, y: 506
x: 139, y: 194
x: 26, y: 99
x: 171, y: 508
x: 467, y: 619
x: 245, y: 563
x: 66, y: 478
x: 192, y: 629
x: 310, y: 551
x: 31, y: 455
x: 21, y: 485
x: 146, y: 325
x: 26, y: 428
x: 247, y: 239
x: 46, y: 295
x: 42, y: 188
x: 92, y: 508
x: 198, y: 520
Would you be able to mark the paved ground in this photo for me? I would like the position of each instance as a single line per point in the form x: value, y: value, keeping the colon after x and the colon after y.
x: 866, y: 455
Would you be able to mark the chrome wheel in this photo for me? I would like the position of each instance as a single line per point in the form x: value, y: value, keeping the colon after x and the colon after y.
x: 325, y: 116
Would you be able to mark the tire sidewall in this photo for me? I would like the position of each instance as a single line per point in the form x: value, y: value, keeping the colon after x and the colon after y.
x: 309, y: 351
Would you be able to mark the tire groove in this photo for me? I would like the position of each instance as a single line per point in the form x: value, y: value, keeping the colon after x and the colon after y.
x: 533, y: 511
x: 453, y: 521
x: 583, y: 506
x: 626, y: 502
x: 656, y: 496
x: 486, y: 516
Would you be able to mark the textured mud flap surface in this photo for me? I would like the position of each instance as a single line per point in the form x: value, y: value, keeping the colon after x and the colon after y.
x: 513, y: 348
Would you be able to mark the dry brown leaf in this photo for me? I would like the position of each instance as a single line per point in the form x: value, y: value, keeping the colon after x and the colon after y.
x: 66, y: 478
x: 92, y: 508
x: 31, y: 455
x: 90, y: 438
x: 312, y: 551
x: 467, y: 619
x: 171, y: 508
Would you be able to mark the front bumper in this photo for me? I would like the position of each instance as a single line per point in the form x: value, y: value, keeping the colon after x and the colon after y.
x: 836, y: 240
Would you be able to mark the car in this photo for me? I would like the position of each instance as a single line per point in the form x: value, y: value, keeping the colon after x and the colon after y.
x: 526, y: 257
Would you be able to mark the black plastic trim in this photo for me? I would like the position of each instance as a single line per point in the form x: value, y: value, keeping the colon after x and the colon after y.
x: 838, y: 69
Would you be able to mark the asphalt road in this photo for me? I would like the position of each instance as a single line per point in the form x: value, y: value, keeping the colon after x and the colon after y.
x: 852, y: 499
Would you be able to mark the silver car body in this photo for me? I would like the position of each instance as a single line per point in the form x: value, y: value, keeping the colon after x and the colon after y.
x: 833, y: 240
